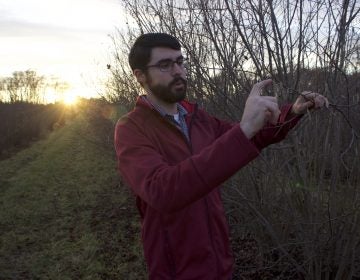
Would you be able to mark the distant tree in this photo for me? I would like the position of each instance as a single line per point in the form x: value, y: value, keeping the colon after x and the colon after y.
x: 32, y: 85
x: 23, y: 86
x: 28, y: 86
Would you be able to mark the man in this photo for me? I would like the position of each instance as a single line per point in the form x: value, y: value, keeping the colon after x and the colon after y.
x: 174, y: 156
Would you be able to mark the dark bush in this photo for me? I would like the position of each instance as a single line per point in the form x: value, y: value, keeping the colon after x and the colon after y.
x: 22, y: 123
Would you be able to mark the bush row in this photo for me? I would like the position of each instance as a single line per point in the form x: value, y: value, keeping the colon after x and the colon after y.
x: 22, y: 123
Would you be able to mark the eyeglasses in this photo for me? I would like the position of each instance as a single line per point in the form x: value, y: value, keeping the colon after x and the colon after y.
x: 167, y: 65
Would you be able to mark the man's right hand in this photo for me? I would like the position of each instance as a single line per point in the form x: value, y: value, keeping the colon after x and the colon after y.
x: 259, y: 110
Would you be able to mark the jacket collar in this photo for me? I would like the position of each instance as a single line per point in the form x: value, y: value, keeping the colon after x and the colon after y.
x: 188, y: 106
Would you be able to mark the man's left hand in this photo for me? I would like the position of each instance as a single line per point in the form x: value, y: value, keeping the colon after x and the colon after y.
x: 309, y: 100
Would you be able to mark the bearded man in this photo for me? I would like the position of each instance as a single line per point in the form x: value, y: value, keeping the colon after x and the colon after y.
x: 174, y: 156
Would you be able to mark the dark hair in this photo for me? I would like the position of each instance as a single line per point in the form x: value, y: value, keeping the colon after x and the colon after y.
x: 140, y: 52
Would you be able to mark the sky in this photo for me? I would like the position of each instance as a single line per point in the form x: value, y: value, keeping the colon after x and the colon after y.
x: 68, y: 39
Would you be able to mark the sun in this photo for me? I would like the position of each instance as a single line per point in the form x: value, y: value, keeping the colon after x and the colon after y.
x: 70, y: 98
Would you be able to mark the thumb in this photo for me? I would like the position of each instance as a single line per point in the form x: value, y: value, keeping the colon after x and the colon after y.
x: 308, y: 104
x: 272, y: 117
x: 258, y: 87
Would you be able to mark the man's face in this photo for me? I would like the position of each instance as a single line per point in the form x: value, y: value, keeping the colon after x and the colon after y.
x: 165, y: 79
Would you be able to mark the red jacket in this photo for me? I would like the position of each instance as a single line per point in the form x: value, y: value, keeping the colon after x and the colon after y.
x: 184, y: 230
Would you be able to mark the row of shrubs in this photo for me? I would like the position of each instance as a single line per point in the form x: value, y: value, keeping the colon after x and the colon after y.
x: 22, y: 123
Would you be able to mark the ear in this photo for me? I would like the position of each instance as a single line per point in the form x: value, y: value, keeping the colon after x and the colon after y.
x: 140, y: 76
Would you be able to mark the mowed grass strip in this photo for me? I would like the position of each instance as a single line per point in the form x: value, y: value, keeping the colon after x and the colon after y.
x: 63, y: 213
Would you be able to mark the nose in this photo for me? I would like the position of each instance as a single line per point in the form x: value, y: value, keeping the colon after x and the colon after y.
x: 177, y: 69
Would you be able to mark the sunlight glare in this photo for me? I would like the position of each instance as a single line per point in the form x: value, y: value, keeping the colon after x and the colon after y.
x: 70, y: 98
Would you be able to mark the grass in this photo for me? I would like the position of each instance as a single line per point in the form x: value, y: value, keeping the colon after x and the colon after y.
x: 64, y: 214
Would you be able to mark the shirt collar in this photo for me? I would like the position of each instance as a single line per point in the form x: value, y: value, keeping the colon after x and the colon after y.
x: 181, y: 110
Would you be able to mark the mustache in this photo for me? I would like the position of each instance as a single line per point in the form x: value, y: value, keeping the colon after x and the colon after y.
x: 177, y: 79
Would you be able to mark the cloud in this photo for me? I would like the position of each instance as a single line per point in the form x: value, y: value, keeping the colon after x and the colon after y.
x: 89, y: 15
x: 65, y: 38
x: 20, y: 28
x: 14, y: 28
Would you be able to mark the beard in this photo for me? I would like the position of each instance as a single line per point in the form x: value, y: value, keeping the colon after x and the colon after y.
x: 170, y: 93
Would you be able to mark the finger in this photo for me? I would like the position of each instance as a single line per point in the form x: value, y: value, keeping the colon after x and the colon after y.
x: 274, y: 110
x: 274, y: 118
x: 273, y: 99
x: 271, y: 117
x: 268, y: 116
x: 309, y: 95
x: 308, y: 105
x: 319, y: 102
x: 323, y: 101
x: 258, y: 87
x: 270, y: 103
x: 326, y: 102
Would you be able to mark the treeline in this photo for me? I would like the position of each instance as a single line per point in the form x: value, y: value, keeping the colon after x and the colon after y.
x: 298, y: 202
x: 22, y: 123
x: 28, y: 86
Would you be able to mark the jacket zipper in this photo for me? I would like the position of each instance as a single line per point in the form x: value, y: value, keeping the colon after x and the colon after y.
x: 205, y: 199
x: 168, y: 252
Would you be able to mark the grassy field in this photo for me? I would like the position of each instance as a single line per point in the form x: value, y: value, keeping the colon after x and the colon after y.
x: 64, y: 214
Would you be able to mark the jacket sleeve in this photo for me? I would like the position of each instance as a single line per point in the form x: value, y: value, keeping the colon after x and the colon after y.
x: 270, y: 134
x: 169, y: 188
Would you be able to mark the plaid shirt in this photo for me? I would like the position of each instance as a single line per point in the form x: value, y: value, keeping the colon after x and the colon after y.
x: 181, y: 124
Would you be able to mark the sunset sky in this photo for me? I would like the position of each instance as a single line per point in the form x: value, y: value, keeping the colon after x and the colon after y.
x: 64, y: 38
